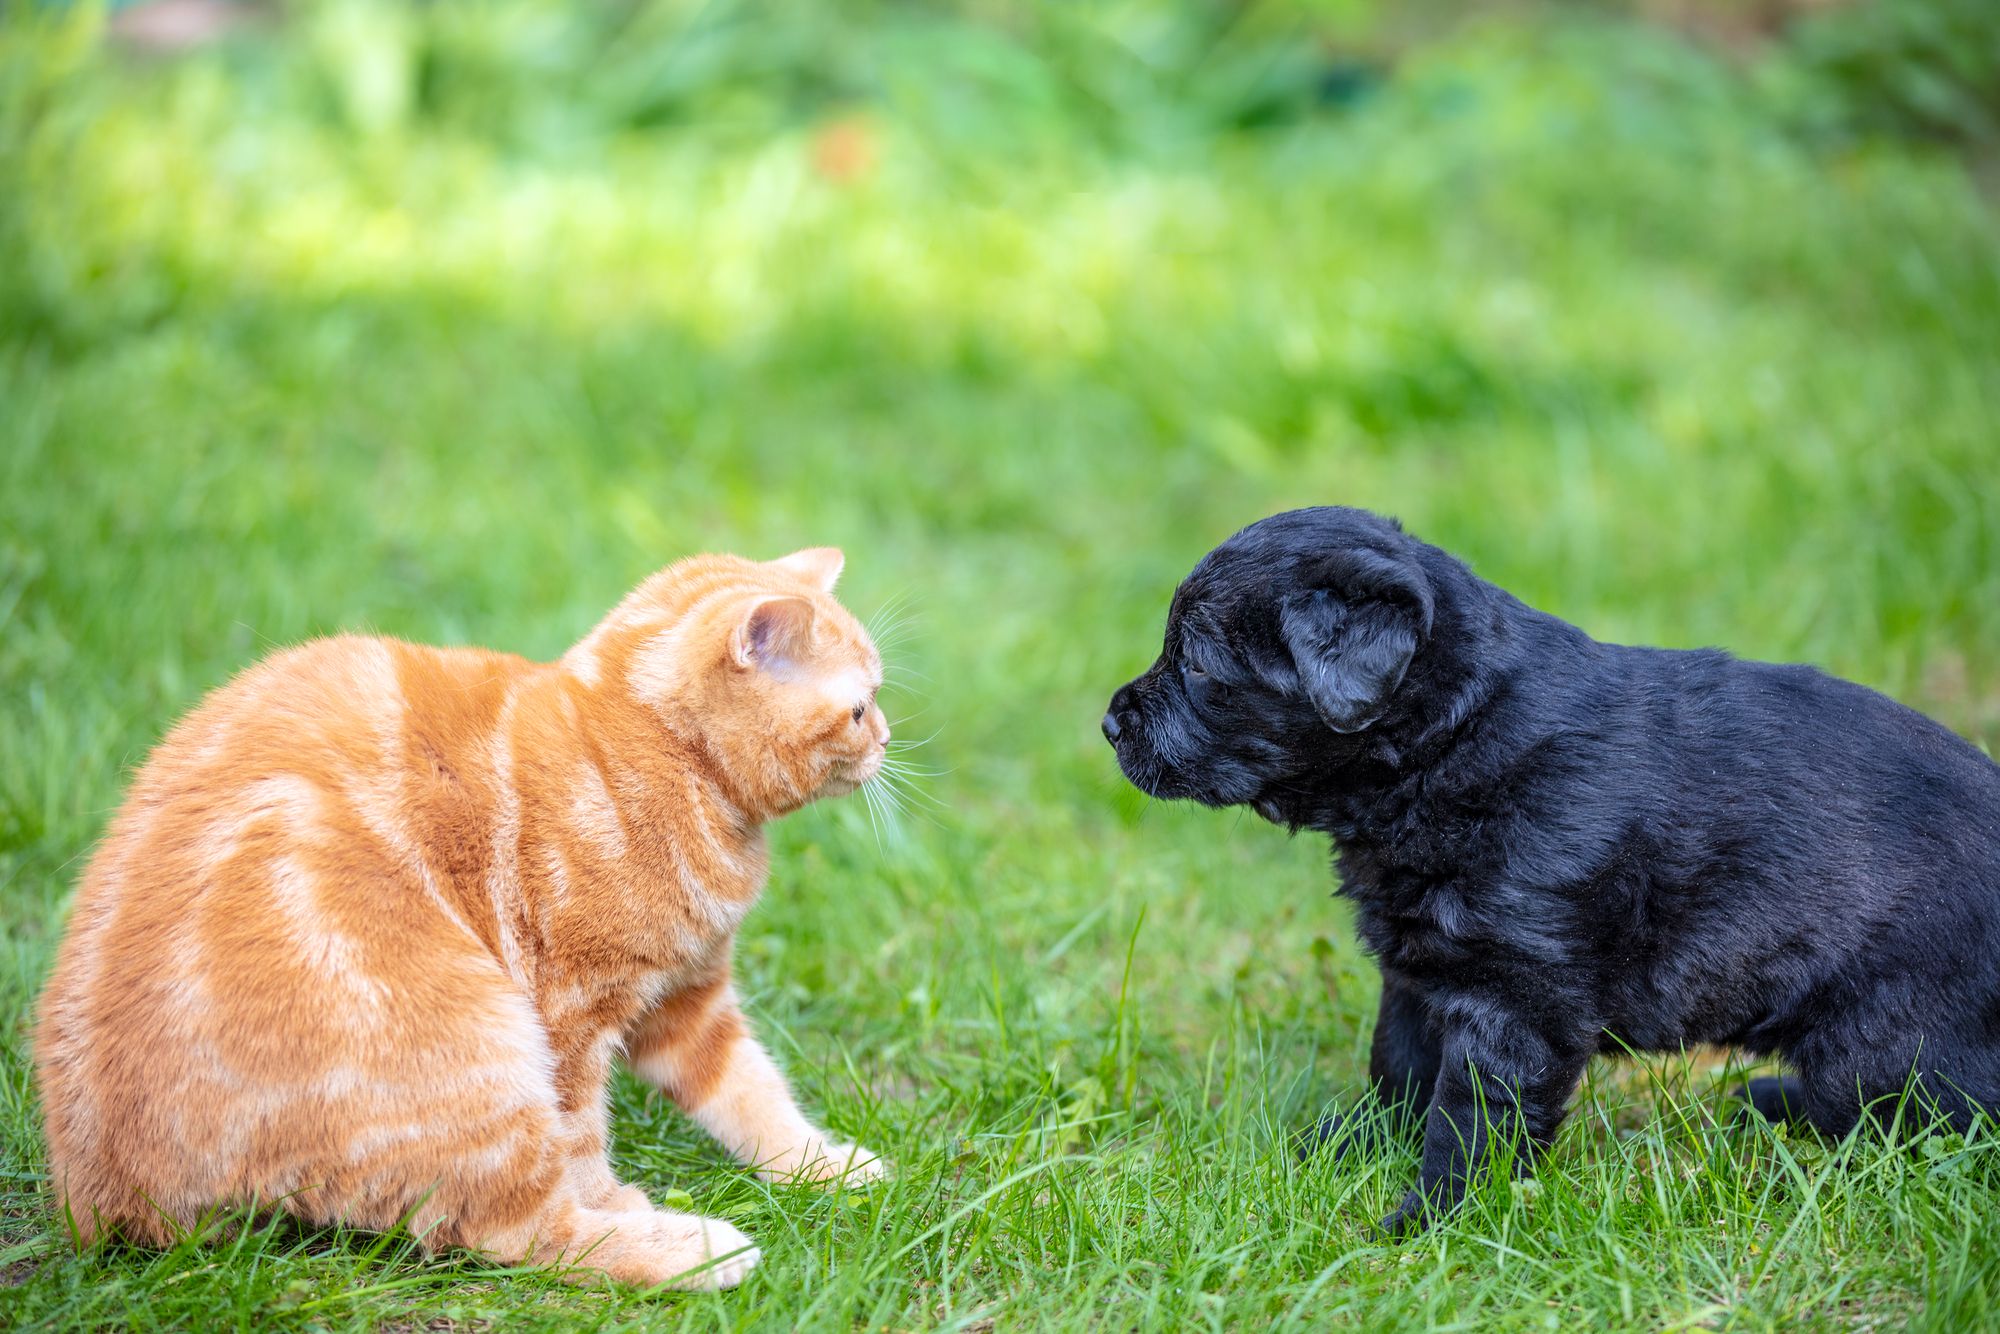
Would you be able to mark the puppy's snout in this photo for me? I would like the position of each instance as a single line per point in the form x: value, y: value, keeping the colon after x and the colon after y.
x: 1119, y: 716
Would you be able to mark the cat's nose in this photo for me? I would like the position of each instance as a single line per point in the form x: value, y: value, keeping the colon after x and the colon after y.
x: 1111, y: 728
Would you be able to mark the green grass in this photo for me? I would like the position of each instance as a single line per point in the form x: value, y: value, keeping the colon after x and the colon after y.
x: 294, y: 339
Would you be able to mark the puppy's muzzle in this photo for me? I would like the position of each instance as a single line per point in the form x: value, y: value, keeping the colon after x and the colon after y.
x: 1118, y: 719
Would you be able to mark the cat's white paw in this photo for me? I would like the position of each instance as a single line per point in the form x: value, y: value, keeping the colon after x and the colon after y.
x: 860, y: 1166
x: 847, y: 1164
x: 737, y: 1258
x: 702, y: 1254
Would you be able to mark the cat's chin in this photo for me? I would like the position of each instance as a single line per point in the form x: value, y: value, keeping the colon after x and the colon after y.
x: 849, y: 780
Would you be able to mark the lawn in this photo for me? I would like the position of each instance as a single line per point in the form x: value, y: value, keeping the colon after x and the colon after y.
x: 452, y: 323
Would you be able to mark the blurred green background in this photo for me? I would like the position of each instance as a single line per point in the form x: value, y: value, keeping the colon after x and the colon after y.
x: 1679, y: 318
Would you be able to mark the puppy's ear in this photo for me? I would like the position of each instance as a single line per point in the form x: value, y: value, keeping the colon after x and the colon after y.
x: 1352, y: 639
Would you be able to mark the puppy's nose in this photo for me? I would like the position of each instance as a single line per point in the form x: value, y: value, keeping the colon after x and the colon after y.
x: 1111, y: 728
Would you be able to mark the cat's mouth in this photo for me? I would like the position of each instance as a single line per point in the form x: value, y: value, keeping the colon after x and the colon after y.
x: 849, y: 775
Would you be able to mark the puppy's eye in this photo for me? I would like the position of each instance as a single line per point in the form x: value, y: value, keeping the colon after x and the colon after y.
x: 1203, y: 690
x: 859, y: 710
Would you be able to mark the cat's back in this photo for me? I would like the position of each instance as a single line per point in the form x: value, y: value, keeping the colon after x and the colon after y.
x: 327, y: 710
x: 336, y: 739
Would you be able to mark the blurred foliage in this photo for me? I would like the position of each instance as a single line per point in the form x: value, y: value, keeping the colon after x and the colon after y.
x: 1029, y: 74
x: 40, y: 60
x: 1929, y: 68
x: 1016, y: 75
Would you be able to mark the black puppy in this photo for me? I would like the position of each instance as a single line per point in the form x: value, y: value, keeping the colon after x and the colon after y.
x: 1560, y: 847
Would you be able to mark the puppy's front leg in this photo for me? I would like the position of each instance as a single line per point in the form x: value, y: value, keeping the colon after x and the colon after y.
x: 1403, y: 1060
x: 1496, y: 1077
x: 1402, y: 1066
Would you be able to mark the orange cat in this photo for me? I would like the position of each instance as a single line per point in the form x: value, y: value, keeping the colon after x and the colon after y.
x: 374, y: 919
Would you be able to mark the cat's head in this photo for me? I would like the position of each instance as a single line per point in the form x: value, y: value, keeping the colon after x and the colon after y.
x: 758, y: 662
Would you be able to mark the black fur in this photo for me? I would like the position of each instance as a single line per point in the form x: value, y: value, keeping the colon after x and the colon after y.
x: 1560, y: 847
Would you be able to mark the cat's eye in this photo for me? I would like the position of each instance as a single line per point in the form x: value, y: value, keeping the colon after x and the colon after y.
x: 860, y: 709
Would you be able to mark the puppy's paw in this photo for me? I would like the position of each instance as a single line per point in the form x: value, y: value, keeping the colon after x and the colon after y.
x: 1338, y: 1134
x: 1412, y: 1216
x: 1327, y: 1136
x: 1776, y: 1098
x: 1365, y: 1130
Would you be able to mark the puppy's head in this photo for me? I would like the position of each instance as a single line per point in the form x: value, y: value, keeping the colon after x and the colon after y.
x: 1286, y: 645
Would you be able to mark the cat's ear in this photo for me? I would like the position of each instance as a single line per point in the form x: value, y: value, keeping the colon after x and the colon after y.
x: 774, y: 634
x: 818, y: 566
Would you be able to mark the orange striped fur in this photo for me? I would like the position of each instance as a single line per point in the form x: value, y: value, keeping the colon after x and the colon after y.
x: 374, y: 920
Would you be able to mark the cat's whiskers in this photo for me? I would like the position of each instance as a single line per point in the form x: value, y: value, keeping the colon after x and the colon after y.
x: 904, y: 772
x: 897, y: 784
x: 898, y: 603
x: 906, y: 744
x: 883, y: 799
x: 893, y: 636
x: 868, y: 803
x: 893, y: 620
x: 903, y: 721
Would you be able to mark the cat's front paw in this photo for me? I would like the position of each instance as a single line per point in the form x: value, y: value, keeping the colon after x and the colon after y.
x: 848, y: 1164
x: 859, y: 1166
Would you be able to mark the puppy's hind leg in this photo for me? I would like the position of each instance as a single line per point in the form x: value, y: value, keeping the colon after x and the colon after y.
x: 1925, y: 1089
x: 1402, y: 1067
x: 1776, y: 1098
